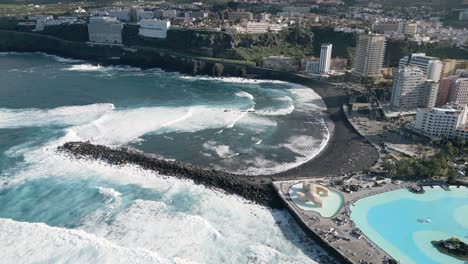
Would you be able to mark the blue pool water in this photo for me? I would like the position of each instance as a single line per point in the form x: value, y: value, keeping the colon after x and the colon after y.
x: 332, y: 202
x: 391, y: 221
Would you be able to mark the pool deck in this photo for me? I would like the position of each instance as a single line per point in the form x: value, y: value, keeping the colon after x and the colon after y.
x: 338, y: 233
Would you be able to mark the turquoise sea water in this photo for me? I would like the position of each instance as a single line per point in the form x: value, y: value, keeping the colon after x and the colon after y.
x: 391, y: 221
x: 57, y: 209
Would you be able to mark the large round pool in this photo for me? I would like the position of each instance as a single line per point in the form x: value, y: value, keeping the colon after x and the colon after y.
x: 404, y: 224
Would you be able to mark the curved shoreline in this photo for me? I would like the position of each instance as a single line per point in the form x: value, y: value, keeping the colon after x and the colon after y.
x: 345, y: 152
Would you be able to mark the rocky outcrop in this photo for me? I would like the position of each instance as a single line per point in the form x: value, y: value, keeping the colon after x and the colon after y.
x: 245, y: 186
x: 453, y: 247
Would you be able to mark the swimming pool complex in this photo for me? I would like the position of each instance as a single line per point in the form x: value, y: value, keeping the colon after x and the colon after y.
x: 404, y: 224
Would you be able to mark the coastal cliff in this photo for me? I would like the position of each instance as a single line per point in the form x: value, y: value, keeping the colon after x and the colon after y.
x: 261, y: 193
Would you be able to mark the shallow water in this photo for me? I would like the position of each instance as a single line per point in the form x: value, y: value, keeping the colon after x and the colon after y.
x: 391, y: 221
x: 55, y: 208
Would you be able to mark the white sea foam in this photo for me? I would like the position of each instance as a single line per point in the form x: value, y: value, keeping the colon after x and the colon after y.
x: 245, y: 94
x: 38, y: 243
x: 307, y: 99
x: 66, y: 115
x: 276, y: 112
x: 230, y: 79
x: 222, y: 151
x: 87, y: 67
x: 113, y: 197
x: 202, y: 234
x: 307, y: 148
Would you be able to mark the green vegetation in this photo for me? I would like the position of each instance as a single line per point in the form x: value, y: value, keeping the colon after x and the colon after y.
x: 295, y: 42
x: 398, y: 48
x: 445, y: 4
x: 422, y: 168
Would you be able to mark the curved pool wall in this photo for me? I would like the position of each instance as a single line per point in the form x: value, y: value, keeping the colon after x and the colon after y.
x: 332, y: 202
x: 390, y: 220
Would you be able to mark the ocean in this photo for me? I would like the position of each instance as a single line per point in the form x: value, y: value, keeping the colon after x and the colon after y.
x: 54, y: 208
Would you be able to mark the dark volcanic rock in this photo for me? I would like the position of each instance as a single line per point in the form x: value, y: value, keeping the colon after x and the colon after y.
x: 241, y: 185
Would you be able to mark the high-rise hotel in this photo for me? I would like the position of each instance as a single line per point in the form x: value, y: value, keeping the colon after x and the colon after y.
x: 325, y: 58
x: 369, y: 57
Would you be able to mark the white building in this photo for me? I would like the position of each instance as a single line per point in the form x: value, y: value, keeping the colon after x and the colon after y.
x: 431, y: 65
x: 370, y: 51
x: 154, y: 28
x: 310, y: 65
x: 412, y: 90
x: 325, y: 58
x: 407, y: 28
x: 105, y: 30
x: 440, y: 122
x: 257, y: 27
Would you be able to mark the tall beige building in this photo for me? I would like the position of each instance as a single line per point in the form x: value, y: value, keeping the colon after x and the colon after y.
x: 451, y: 65
x: 369, y: 57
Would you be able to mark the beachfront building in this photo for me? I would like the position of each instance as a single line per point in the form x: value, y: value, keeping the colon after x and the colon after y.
x: 105, y: 30
x: 431, y: 65
x: 310, y: 64
x: 453, y: 90
x: 370, y: 51
x: 412, y: 90
x: 442, y: 122
x: 154, y: 28
x: 325, y: 58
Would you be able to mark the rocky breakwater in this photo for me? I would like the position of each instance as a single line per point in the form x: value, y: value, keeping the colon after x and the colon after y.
x: 260, y: 192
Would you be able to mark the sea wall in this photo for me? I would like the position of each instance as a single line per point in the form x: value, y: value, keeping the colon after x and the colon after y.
x: 262, y: 193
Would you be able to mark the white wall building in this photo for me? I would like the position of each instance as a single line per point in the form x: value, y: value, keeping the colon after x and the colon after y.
x: 412, y: 90
x: 440, y: 122
x: 431, y: 65
x: 325, y: 58
x: 370, y: 51
x: 105, y: 30
x: 154, y: 28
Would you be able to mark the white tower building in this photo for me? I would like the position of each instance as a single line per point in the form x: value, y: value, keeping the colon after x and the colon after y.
x: 325, y: 58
